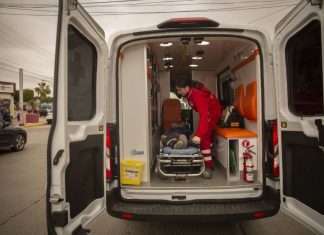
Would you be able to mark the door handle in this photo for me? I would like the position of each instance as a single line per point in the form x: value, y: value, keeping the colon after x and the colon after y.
x: 57, y: 157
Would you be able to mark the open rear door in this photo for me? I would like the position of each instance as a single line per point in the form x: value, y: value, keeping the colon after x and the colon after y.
x: 298, y: 53
x: 76, y: 146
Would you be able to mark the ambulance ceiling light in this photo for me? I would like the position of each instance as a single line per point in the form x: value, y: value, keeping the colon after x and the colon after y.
x: 203, y: 43
x: 167, y: 57
x: 166, y: 44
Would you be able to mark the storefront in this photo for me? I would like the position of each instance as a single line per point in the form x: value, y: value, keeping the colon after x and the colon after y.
x: 7, y: 90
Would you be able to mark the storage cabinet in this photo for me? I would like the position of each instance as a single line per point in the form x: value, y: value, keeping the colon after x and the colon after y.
x: 229, y: 154
x: 139, y: 102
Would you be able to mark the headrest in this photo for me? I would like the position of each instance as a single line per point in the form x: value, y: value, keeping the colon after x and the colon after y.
x: 171, y: 110
x: 239, y: 100
x: 171, y: 102
x: 250, y: 104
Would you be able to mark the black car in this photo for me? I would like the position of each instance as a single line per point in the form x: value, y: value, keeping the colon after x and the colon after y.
x: 12, y: 137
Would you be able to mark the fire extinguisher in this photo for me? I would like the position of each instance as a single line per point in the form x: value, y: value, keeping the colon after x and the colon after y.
x: 248, y: 167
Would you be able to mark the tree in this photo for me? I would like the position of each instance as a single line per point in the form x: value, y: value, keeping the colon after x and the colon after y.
x: 48, y: 99
x: 42, y: 90
x: 27, y: 93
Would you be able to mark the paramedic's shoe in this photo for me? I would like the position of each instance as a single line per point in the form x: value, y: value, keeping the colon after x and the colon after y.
x: 207, y: 173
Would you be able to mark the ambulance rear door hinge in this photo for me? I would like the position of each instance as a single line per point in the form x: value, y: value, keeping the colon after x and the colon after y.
x: 73, y: 4
x: 318, y: 3
x: 55, y: 198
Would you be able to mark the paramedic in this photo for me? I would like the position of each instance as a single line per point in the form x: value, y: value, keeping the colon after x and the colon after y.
x: 207, y: 105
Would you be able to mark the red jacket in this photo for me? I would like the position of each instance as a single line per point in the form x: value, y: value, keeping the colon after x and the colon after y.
x: 207, y: 105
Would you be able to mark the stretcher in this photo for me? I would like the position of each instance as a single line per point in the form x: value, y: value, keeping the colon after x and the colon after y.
x: 179, y: 163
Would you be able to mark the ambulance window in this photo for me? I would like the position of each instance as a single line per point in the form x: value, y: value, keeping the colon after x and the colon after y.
x: 82, y: 61
x: 304, y: 71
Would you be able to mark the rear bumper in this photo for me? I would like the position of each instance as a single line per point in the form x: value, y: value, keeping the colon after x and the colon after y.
x: 266, y: 206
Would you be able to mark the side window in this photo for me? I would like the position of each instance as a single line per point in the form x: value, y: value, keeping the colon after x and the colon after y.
x: 82, y: 64
x: 225, y: 89
x: 304, y: 71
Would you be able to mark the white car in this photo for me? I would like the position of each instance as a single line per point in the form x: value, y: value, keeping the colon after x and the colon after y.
x: 49, y: 117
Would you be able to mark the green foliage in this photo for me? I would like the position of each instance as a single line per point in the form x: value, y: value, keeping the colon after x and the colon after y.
x: 27, y: 93
x: 42, y: 91
x: 48, y: 99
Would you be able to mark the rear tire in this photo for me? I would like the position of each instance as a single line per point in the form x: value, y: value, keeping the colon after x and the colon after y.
x: 19, y: 142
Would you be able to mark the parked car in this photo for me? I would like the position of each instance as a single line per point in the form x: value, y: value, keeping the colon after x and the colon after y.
x: 44, y: 109
x: 49, y: 117
x: 12, y: 137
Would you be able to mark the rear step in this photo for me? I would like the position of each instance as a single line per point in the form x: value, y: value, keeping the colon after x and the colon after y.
x: 268, y: 205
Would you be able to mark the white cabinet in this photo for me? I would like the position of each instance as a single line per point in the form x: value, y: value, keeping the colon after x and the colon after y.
x: 235, y: 147
x: 139, y: 106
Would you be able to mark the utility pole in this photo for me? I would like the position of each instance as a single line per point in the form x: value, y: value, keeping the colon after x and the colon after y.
x: 21, y: 97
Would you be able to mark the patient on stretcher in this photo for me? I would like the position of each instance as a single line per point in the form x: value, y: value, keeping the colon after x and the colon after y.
x: 174, y: 140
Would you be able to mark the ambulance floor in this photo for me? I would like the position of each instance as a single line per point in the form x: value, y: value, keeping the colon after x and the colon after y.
x: 218, y: 180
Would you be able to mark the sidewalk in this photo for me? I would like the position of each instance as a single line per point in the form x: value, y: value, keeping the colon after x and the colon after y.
x: 42, y: 122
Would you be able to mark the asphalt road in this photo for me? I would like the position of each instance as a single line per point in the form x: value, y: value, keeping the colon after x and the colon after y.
x: 22, y: 202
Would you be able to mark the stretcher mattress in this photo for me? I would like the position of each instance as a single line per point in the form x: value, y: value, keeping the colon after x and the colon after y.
x: 188, y: 151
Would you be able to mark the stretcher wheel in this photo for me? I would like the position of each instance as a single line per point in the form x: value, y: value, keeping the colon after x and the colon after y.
x: 207, y: 174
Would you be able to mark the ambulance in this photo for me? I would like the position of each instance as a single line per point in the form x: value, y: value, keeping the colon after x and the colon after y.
x: 108, y: 110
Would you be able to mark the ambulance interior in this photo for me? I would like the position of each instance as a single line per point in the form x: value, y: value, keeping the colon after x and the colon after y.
x: 149, y: 106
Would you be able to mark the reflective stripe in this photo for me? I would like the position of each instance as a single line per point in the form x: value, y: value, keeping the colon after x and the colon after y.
x: 208, y: 158
x: 205, y: 151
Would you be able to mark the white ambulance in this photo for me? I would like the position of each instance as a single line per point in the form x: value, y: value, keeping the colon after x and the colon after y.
x: 108, y: 109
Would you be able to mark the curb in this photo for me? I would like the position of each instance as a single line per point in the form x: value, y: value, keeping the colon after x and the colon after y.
x: 34, y: 125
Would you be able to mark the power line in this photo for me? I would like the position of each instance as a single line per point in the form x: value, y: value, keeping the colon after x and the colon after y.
x: 23, y: 14
x: 20, y: 45
x: 190, y: 11
x: 21, y: 39
x: 176, y: 3
x: 28, y: 9
x: 16, y: 65
x: 101, y: 13
x: 271, y: 14
x: 26, y: 76
x: 149, y: 3
x: 29, y: 72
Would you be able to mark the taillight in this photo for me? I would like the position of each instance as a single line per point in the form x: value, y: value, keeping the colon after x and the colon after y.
x: 108, y: 155
x: 194, y: 22
x: 258, y: 215
x: 126, y: 216
x: 275, y: 159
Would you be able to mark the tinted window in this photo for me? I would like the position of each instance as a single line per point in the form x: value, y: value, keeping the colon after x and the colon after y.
x: 304, y: 68
x: 82, y: 57
x: 225, y: 88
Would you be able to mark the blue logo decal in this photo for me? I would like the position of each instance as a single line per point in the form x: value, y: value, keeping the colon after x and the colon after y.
x: 134, y: 152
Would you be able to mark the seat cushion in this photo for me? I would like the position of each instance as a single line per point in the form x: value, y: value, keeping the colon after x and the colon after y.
x: 250, y: 104
x: 234, y: 132
x: 239, y: 100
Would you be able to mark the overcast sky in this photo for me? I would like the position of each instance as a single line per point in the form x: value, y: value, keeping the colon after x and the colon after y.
x: 28, y: 27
